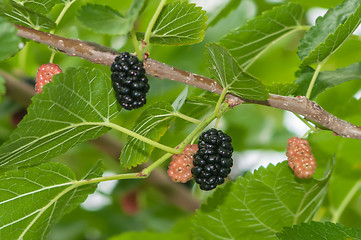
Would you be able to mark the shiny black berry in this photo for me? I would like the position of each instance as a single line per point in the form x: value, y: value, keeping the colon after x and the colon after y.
x: 129, y: 81
x: 213, y: 160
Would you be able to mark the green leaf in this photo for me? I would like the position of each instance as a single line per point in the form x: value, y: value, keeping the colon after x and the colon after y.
x: 326, y: 79
x: 284, y: 89
x: 250, y: 41
x: 40, y: 6
x: 229, y: 7
x: 2, y: 88
x: 149, y: 236
x: 248, y: 208
x: 134, y: 11
x: 152, y: 123
x: 21, y: 15
x: 225, y: 70
x: 330, y: 32
x: 73, y: 108
x: 33, y: 199
x: 179, y: 23
x: 9, y: 41
x: 318, y: 230
x: 178, y: 103
x: 103, y: 19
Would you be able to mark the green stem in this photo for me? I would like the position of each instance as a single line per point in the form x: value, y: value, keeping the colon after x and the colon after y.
x: 146, y: 171
x: 187, y: 118
x: 337, y: 214
x: 305, y: 122
x: 160, y: 161
x: 313, y: 80
x: 308, y: 132
x: 62, y: 13
x: 152, y: 21
x: 136, y: 45
x: 220, y: 100
x: 140, y: 137
x: 222, y: 109
x: 57, y: 21
x: 186, y: 141
x: 109, y: 178
x: 217, y: 122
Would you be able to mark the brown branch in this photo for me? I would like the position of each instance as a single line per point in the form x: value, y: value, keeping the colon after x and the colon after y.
x: 103, y: 55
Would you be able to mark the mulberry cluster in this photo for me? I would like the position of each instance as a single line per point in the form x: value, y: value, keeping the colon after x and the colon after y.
x: 129, y: 81
x: 45, y: 75
x: 179, y: 169
x: 300, y: 157
x: 213, y: 160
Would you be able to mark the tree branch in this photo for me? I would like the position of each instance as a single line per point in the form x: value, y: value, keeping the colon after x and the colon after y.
x: 103, y: 55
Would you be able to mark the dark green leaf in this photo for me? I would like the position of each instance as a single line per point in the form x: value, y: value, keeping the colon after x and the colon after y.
x: 103, y: 19
x: 251, y: 205
x: 179, y: 23
x: 229, y: 7
x: 317, y: 231
x: 9, y: 41
x: 21, y: 15
x: 250, y: 41
x: 152, y: 123
x: 225, y: 70
x: 73, y: 108
x: 33, y: 199
x: 327, y: 79
x: 330, y: 32
x: 284, y: 89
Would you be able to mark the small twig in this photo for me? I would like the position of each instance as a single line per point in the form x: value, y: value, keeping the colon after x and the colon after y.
x: 103, y: 55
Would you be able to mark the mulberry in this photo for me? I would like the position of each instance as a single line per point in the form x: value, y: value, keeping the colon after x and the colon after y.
x: 129, y: 81
x: 45, y: 75
x: 300, y: 157
x: 213, y: 160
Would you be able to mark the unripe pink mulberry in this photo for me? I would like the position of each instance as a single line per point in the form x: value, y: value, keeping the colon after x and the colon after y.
x: 300, y: 157
x: 179, y: 169
x: 45, y: 75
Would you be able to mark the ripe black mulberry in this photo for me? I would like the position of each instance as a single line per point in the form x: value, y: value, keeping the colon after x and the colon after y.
x: 129, y: 81
x: 213, y: 160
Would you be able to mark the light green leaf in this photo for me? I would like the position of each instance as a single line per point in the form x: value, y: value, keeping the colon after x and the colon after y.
x: 33, y: 199
x: 229, y: 7
x: 9, y: 41
x: 134, y: 10
x: 327, y: 79
x: 21, y: 15
x: 247, y: 209
x: 330, y: 32
x: 106, y: 20
x: 152, y: 123
x: 40, y: 6
x: 179, y: 23
x: 284, y: 89
x: 103, y: 19
x: 73, y: 108
x: 179, y: 101
x: 149, y: 236
x: 318, y: 230
x: 2, y: 88
x: 250, y: 41
x: 225, y: 70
